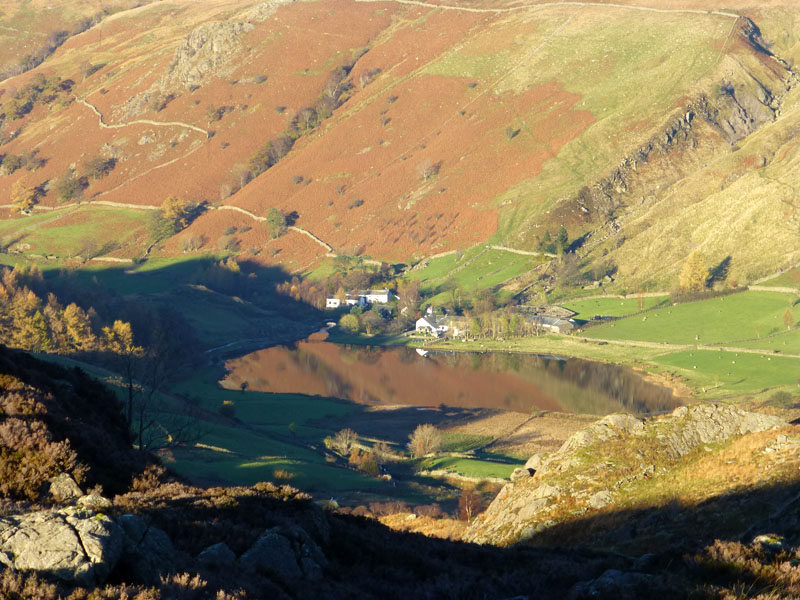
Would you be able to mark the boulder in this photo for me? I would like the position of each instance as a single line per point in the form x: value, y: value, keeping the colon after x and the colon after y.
x: 148, y: 551
x: 217, y: 556
x: 94, y: 502
x: 287, y: 554
x: 272, y: 553
x: 520, y: 474
x: 600, y: 499
x: 77, y: 546
x: 63, y: 488
x: 534, y: 462
x: 309, y: 555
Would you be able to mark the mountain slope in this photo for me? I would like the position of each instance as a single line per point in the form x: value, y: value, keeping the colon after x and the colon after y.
x: 503, y: 123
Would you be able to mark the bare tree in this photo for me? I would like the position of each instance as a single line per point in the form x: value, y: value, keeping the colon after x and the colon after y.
x: 426, y: 439
x: 343, y: 441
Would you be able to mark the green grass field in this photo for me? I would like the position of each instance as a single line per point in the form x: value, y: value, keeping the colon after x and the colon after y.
x: 51, y: 232
x: 258, y: 407
x: 463, y: 442
x: 789, y: 279
x: 785, y: 342
x: 309, y: 476
x: 471, y: 467
x: 613, y: 307
x: 727, y: 319
x: 261, y: 442
x: 731, y: 371
x: 473, y: 270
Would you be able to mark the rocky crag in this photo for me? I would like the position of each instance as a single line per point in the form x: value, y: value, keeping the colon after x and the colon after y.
x: 629, y: 481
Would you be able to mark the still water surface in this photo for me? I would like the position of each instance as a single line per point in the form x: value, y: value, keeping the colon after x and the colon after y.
x: 392, y: 376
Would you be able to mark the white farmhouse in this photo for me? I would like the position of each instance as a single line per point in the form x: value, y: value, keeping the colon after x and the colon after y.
x: 377, y: 296
x: 431, y: 324
x: 362, y: 298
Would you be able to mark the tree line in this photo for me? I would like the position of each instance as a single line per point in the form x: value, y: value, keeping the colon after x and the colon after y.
x: 41, y: 323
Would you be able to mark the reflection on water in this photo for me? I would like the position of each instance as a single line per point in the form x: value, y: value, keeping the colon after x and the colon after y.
x: 515, y: 382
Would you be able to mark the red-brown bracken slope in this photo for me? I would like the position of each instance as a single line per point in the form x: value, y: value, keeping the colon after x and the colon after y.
x: 459, y: 124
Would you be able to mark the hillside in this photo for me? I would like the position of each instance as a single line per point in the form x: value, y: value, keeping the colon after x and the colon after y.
x: 647, y: 133
x: 156, y: 537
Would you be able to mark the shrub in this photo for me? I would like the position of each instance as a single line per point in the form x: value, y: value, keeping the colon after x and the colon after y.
x: 69, y: 186
x: 282, y: 474
x: 228, y: 409
x: 276, y: 223
x: 11, y: 163
x: 349, y: 323
x: 98, y: 167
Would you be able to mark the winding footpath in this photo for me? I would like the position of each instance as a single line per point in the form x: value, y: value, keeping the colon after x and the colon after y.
x: 105, y: 125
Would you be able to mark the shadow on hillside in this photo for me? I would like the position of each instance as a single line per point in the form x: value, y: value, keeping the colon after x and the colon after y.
x: 222, y: 303
x: 368, y: 560
x: 680, y: 528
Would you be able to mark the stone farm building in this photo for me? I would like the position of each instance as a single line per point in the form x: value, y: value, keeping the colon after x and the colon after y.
x: 432, y: 325
x: 361, y: 298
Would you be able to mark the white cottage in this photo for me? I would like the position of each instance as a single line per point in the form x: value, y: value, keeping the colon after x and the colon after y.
x: 431, y: 324
x: 361, y: 298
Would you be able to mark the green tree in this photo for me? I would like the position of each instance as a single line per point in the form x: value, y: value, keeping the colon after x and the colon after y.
x: 69, y: 187
x: 694, y: 274
x: 562, y: 241
x: 349, y: 322
x: 371, y: 321
x: 98, y: 167
x: 276, y: 223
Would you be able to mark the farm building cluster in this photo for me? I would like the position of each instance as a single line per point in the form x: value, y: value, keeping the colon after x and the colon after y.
x: 361, y: 298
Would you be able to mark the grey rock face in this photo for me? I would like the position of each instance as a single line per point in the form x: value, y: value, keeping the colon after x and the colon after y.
x: 688, y: 427
x: 204, y: 52
x: 274, y: 554
x: 534, y: 462
x: 600, y: 499
x: 148, y: 551
x: 520, y: 474
x: 63, y: 488
x: 74, y: 545
x: 587, y: 459
x: 286, y: 554
x: 94, y: 502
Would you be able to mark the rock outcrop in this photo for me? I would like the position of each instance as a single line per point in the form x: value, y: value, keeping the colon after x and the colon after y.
x: 203, y: 52
x: 594, y: 467
x: 264, y: 10
x: 285, y: 554
x: 63, y: 488
x: 74, y: 545
x: 148, y: 551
